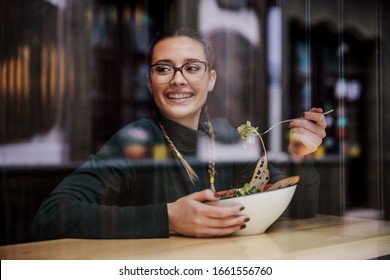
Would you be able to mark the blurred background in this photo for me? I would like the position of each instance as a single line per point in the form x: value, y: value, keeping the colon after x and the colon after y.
x: 72, y: 72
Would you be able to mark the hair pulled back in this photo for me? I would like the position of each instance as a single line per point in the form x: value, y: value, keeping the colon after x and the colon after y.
x: 182, y: 32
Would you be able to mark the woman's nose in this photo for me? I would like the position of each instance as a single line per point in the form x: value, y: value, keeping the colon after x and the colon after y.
x: 178, y: 78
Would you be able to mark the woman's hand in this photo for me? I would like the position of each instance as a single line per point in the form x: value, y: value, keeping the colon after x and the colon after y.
x: 306, y: 133
x: 191, y: 217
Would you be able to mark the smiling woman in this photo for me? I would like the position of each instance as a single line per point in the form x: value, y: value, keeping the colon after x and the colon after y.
x: 113, y: 195
x: 181, y: 93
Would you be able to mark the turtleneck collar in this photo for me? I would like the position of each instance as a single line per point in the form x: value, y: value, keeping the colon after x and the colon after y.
x: 185, y: 139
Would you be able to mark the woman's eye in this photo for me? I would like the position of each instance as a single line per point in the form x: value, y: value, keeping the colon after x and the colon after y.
x: 192, y: 68
x: 163, y: 69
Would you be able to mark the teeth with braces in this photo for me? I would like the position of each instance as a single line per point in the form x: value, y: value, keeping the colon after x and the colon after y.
x: 179, y: 95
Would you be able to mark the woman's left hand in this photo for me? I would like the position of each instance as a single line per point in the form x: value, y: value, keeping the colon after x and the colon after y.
x: 306, y: 133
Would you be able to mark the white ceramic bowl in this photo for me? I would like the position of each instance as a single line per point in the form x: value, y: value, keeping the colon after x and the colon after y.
x: 262, y: 208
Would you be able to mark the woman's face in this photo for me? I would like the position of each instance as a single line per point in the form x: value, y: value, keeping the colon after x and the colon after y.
x: 180, y: 100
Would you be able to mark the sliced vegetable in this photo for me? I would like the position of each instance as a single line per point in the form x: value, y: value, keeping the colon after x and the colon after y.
x: 260, y: 178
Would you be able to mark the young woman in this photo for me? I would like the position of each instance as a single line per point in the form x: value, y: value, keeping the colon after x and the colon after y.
x: 114, y: 196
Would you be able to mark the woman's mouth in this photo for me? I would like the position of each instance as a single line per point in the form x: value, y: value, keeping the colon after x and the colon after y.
x: 179, y: 95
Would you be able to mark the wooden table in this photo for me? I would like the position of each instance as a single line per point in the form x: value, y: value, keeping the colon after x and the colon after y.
x: 322, y: 237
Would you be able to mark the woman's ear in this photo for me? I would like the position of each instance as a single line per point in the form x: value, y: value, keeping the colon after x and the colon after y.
x: 149, y: 84
x: 212, y: 80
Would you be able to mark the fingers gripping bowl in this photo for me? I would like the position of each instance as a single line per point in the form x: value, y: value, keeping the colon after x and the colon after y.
x: 263, y: 208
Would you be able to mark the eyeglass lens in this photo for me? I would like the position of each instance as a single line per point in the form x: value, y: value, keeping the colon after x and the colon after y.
x: 192, y: 71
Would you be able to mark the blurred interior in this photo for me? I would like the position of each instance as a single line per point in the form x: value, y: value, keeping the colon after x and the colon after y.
x: 72, y: 72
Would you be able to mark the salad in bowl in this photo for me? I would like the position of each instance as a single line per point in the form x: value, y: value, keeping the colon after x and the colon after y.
x: 264, y: 202
x: 261, y: 176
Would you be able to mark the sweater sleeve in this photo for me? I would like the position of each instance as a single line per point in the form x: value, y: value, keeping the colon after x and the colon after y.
x: 97, y: 201
x: 79, y: 208
x: 304, y: 203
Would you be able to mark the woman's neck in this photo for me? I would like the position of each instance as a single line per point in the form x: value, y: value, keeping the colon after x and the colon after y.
x: 190, y: 122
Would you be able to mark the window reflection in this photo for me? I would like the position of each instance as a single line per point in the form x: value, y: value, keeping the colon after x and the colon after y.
x: 72, y: 72
x: 234, y: 30
x: 33, y: 84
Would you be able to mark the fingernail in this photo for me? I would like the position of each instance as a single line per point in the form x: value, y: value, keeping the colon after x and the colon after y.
x: 242, y: 208
x: 247, y: 219
x: 242, y: 227
x: 217, y: 195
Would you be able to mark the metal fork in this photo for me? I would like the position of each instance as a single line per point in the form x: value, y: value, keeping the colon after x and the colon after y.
x: 289, y: 120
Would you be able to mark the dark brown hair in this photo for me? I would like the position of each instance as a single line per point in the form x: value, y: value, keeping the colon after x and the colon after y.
x: 205, y: 120
x: 183, y: 32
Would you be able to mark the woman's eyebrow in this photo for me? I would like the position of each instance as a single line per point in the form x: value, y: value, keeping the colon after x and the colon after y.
x: 166, y: 61
x: 169, y: 61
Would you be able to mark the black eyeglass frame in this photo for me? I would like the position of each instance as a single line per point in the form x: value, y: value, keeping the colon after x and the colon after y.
x: 180, y: 68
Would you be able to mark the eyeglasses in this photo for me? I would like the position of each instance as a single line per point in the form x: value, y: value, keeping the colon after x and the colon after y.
x: 192, y: 71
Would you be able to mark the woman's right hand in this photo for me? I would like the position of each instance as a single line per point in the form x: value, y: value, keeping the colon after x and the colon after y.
x: 191, y: 217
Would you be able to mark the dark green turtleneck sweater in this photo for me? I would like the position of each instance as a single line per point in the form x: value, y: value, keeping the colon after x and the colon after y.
x: 111, y: 196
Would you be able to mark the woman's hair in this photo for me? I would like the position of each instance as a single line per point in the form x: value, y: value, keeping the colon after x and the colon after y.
x: 208, y: 128
x: 204, y: 120
x: 183, y: 32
